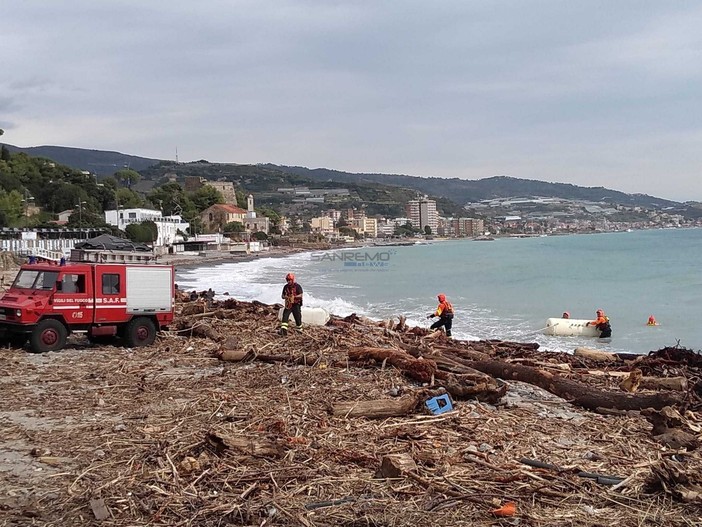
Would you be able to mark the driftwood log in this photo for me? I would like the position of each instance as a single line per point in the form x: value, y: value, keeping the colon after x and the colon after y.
x: 575, y: 392
x: 459, y: 380
x: 377, y: 409
x: 419, y: 369
x: 252, y: 446
x: 596, y: 355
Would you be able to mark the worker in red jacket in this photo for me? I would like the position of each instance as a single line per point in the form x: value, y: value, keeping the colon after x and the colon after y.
x: 445, y: 313
x: 292, y: 294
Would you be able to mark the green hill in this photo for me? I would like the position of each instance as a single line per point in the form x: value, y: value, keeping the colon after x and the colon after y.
x: 100, y: 162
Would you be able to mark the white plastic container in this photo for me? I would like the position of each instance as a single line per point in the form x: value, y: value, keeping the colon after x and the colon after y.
x: 311, y: 316
x: 570, y: 327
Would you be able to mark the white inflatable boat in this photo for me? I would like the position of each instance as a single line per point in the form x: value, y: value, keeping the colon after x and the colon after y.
x: 570, y: 327
x: 311, y: 316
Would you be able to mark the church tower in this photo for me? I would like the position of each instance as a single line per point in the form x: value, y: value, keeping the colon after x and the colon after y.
x: 250, y: 206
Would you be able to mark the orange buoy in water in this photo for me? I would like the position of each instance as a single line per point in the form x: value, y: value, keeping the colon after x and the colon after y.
x: 651, y: 321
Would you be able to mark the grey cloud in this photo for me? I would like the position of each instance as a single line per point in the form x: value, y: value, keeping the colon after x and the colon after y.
x: 595, y: 92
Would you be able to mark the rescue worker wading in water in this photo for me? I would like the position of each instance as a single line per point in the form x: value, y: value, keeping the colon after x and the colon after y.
x: 445, y: 313
x: 292, y: 294
x: 602, y: 323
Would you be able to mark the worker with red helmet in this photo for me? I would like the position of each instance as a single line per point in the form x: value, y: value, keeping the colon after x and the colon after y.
x: 445, y: 313
x: 602, y: 323
x: 292, y: 295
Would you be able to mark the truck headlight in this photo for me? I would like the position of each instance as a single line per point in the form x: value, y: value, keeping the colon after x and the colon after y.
x: 18, y: 313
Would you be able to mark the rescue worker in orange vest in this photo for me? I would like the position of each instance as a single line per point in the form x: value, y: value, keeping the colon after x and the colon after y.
x: 445, y: 313
x: 292, y: 294
x: 602, y: 323
x: 652, y: 321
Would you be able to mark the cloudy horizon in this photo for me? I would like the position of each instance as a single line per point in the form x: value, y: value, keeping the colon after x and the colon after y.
x: 593, y: 94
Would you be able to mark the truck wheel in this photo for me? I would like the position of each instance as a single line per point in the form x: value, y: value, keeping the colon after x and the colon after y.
x: 140, y: 332
x: 49, y: 335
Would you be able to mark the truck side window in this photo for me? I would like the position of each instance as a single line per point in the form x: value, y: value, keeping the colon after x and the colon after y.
x: 68, y: 283
x: 73, y: 283
x: 110, y: 284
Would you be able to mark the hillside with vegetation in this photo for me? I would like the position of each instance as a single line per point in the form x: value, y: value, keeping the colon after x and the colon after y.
x: 100, y: 162
x: 264, y: 182
x: 467, y: 191
x: 29, y: 183
x: 34, y: 189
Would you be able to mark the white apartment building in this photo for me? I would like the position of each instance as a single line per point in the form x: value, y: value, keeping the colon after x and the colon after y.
x: 386, y: 228
x: 167, y: 226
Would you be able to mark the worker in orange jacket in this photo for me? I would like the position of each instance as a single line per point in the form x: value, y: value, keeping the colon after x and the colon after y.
x: 292, y: 294
x: 445, y: 313
x: 602, y: 323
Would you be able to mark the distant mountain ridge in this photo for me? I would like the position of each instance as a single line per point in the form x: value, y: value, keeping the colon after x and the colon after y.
x: 460, y: 191
x: 467, y: 190
x: 100, y: 162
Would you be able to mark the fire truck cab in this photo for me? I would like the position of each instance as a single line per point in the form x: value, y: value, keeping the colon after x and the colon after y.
x: 48, y: 302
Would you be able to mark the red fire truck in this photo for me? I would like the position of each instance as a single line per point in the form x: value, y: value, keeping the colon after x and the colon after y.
x: 48, y: 302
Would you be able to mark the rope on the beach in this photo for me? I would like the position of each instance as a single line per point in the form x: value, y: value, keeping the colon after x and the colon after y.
x: 539, y: 330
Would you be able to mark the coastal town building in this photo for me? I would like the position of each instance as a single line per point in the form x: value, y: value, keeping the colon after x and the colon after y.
x: 314, y: 195
x: 216, y: 216
x: 193, y: 183
x: 365, y: 226
x: 386, y: 228
x: 226, y: 188
x: 170, y: 228
x: 323, y: 225
x: 253, y: 223
x: 63, y: 217
x: 465, y: 227
x: 422, y: 213
x: 333, y: 214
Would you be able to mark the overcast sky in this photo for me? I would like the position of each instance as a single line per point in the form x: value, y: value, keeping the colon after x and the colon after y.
x: 594, y: 93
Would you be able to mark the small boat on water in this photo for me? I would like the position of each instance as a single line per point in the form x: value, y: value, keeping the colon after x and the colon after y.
x: 570, y: 327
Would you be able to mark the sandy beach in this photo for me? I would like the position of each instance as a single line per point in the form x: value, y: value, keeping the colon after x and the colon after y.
x: 9, y: 263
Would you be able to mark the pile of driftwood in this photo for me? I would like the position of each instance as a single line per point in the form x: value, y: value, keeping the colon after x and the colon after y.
x: 225, y: 422
x: 592, y: 379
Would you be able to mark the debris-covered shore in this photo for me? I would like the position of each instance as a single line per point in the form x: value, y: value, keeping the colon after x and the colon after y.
x: 224, y: 422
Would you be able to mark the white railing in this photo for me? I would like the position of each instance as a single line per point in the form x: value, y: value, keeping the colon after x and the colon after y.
x: 54, y: 256
x: 62, y: 246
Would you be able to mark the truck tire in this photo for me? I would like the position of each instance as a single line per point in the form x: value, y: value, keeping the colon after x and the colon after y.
x: 140, y: 332
x: 49, y: 335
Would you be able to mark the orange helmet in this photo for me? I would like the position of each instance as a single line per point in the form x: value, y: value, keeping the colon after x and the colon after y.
x: 441, y: 297
x: 566, y: 314
x: 290, y: 276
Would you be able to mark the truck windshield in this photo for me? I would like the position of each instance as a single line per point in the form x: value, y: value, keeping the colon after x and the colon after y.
x: 43, y: 280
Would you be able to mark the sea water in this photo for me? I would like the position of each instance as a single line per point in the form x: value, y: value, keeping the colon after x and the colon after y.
x: 503, y: 289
